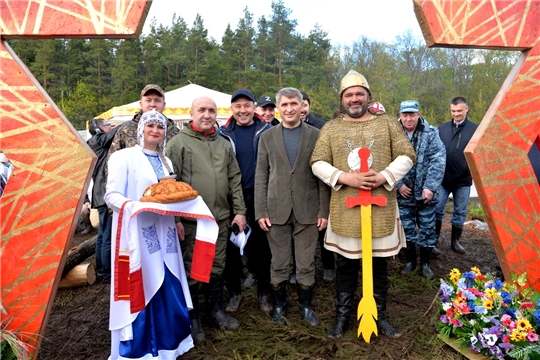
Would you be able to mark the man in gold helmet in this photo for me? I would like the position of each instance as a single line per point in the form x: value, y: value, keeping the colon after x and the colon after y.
x: 335, y: 161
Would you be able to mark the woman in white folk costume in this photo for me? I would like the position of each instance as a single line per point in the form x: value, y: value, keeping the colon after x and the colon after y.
x: 149, y: 291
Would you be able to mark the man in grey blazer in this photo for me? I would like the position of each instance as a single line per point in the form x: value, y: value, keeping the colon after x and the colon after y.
x: 290, y: 202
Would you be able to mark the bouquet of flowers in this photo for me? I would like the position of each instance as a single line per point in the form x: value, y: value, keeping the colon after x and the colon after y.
x: 499, y: 319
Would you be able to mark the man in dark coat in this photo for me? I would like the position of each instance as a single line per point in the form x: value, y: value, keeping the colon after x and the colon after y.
x: 100, y: 143
x: 455, y: 135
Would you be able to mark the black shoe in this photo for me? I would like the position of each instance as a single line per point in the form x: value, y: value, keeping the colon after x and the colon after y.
x: 329, y: 275
x: 279, y: 295
x: 234, y: 302
x: 425, y: 255
x: 456, y: 246
x: 426, y: 271
x: 386, y: 329
x: 410, y: 252
x: 409, y: 268
x: 197, y: 333
x: 224, y: 321
x: 457, y: 231
x: 305, y: 294
x: 264, y: 303
x: 343, y: 315
x: 436, y: 253
x: 214, y: 304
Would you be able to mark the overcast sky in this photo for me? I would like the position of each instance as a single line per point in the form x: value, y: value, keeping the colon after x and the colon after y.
x: 344, y: 20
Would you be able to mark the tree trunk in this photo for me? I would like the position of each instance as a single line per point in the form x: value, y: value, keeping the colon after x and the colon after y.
x: 80, y: 253
x: 80, y: 275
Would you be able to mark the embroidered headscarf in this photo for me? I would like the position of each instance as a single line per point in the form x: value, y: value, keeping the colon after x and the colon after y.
x: 152, y: 117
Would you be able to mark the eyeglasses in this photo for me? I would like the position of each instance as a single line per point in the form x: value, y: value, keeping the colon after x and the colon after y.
x: 106, y: 125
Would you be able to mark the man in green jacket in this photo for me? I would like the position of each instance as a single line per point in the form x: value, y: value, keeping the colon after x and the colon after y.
x: 207, y: 162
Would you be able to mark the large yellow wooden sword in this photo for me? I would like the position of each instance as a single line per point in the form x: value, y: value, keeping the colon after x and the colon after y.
x: 367, y: 309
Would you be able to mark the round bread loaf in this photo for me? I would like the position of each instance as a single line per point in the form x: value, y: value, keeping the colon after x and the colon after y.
x: 167, y: 191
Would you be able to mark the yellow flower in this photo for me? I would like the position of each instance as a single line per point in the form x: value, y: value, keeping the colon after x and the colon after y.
x: 491, y: 293
x: 523, y: 325
x: 455, y: 274
x: 488, y: 304
x: 476, y: 271
x: 515, y: 335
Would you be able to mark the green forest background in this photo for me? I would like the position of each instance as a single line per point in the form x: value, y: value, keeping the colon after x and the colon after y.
x: 88, y: 77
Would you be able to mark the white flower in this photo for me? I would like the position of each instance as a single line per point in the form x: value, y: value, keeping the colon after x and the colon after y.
x: 446, y: 306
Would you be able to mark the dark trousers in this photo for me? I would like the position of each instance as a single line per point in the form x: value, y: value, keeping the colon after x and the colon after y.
x: 327, y: 256
x: 257, y: 252
x: 347, y: 275
x: 103, y: 243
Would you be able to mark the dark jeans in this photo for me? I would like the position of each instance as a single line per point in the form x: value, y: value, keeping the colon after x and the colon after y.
x: 103, y: 243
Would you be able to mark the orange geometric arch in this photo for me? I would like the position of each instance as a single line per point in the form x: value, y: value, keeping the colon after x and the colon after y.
x: 41, y: 203
x: 498, y: 152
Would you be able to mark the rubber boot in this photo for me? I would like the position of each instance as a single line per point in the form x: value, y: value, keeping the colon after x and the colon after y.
x: 343, y: 315
x: 425, y: 254
x: 410, y: 252
x: 436, y: 252
x: 305, y: 294
x: 457, y: 230
x: 264, y: 302
x: 214, y: 305
x: 197, y: 332
x: 380, y: 292
x: 279, y: 295
x: 234, y: 302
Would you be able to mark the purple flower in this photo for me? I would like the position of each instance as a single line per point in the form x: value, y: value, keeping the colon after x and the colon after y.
x: 446, y: 289
x: 444, y: 319
x: 480, y: 310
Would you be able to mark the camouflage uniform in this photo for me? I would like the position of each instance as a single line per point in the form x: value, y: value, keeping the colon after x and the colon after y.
x: 126, y: 135
x: 426, y: 174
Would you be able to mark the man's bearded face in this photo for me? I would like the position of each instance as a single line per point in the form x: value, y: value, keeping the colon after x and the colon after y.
x: 355, y: 101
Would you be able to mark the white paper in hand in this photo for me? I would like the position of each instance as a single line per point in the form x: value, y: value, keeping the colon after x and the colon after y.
x: 241, y: 239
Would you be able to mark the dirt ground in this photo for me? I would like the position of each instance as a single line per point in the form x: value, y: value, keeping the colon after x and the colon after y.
x: 78, y: 324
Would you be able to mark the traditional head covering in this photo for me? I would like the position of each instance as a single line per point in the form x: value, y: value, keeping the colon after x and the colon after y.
x: 152, y: 117
x: 353, y: 78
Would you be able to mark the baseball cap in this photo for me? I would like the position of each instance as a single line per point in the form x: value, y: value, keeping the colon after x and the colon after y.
x: 155, y: 87
x: 265, y: 100
x: 409, y: 106
x: 242, y: 93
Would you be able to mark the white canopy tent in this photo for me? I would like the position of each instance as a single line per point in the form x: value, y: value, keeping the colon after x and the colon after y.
x: 178, y: 105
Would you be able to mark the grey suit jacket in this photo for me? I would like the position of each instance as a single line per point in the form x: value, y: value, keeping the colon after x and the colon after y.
x: 278, y: 188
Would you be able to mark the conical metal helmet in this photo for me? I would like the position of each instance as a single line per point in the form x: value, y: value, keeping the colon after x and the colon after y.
x: 353, y: 78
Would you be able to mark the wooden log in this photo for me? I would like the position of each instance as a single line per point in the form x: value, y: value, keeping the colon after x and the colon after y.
x: 80, y: 253
x: 80, y: 275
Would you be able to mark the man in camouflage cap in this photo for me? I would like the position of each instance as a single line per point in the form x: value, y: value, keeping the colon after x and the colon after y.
x: 335, y: 161
x: 152, y: 98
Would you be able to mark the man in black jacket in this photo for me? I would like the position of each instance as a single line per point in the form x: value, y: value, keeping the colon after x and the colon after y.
x: 455, y: 135
x: 102, y: 136
x: 305, y: 114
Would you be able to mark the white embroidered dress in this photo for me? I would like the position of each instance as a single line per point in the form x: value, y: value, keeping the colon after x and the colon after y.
x: 149, y: 291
